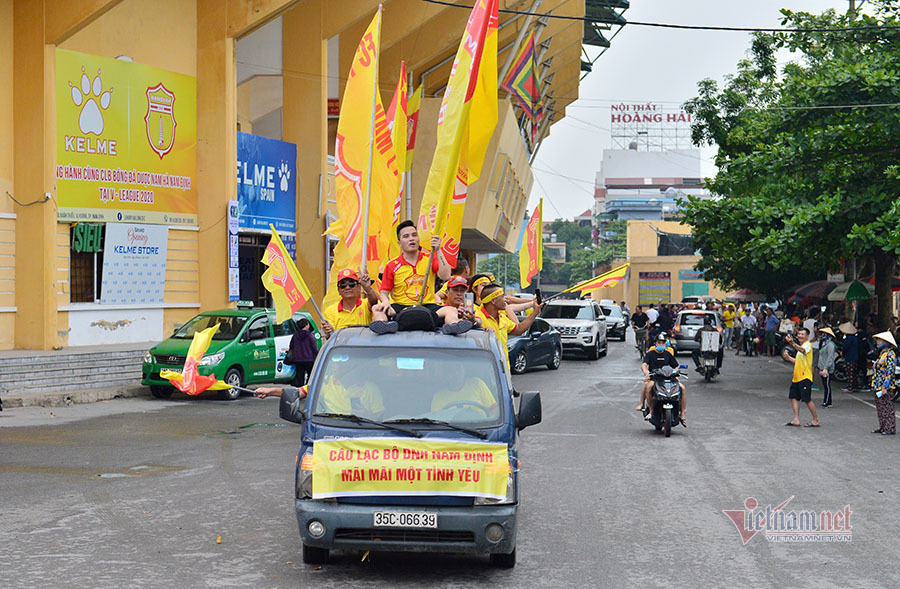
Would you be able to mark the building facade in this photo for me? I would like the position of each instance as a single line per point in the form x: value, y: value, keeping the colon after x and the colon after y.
x: 150, y: 143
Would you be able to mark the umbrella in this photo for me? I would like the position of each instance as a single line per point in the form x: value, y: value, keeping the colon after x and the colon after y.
x: 895, y: 282
x: 852, y: 291
x: 817, y: 290
x: 745, y: 294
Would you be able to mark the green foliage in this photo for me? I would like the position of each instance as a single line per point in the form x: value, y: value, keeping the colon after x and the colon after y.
x: 502, y: 266
x: 806, y: 175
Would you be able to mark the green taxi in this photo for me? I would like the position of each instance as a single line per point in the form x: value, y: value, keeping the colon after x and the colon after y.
x: 249, y: 347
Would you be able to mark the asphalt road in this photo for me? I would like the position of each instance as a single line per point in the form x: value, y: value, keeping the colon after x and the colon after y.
x: 136, y: 492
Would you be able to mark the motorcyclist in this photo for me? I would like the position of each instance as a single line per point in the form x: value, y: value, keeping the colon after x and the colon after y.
x: 656, y: 358
x: 708, y: 326
x: 663, y: 322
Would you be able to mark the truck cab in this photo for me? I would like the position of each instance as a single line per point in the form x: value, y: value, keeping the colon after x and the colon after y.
x: 409, y: 442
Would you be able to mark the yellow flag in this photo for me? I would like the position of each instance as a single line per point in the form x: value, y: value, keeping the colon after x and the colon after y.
x: 283, y: 280
x: 397, y: 120
x: 364, y: 137
x: 468, y: 113
x: 531, y: 255
x: 412, y: 124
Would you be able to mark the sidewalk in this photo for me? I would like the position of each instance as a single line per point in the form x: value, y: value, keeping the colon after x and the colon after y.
x: 51, y: 398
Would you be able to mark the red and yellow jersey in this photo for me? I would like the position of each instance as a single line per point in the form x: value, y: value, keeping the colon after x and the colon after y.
x: 404, y: 280
x: 501, y: 327
x: 339, y: 317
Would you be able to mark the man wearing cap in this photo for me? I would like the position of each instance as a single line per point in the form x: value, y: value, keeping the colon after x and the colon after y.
x: 351, y: 309
x: 827, y: 357
x: 494, y: 318
x: 883, y: 381
x: 801, y: 381
x: 456, y: 289
x: 657, y: 357
x: 462, y: 270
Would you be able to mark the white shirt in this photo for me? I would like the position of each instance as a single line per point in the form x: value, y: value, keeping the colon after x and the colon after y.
x: 810, y: 324
x: 748, y: 321
x: 652, y: 315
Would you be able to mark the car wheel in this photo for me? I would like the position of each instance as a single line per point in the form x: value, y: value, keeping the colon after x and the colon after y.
x: 605, y: 348
x: 506, y: 561
x: 594, y: 352
x: 623, y: 337
x: 557, y: 357
x: 232, y: 377
x: 161, y: 391
x: 520, y: 363
x: 314, y: 554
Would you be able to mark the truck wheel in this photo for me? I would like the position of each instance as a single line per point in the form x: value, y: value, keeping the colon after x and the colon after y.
x: 314, y: 555
x: 161, y: 391
x: 232, y: 377
x: 505, y: 561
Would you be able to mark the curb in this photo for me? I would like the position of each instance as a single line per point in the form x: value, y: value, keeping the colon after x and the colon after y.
x: 64, y: 398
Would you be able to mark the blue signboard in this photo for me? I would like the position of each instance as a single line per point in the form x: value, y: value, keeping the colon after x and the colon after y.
x: 266, y: 182
x: 691, y: 274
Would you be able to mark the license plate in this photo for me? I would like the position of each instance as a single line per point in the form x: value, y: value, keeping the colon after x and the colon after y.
x: 667, y: 406
x: 405, y: 519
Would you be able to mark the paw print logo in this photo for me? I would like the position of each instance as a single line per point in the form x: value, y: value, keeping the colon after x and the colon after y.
x: 284, y: 173
x: 91, y: 98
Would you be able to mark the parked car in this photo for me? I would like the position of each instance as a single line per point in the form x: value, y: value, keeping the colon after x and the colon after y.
x: 581, y: 325
x: 426, y: 457
x: 249, y: 347
x: 693, y: 301
x: 542, y: 344
x: 616, y: 321
x: 686, y: 325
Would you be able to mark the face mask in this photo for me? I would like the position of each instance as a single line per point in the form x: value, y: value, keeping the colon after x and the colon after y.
x: 882, y: 345
x: 660, y: 348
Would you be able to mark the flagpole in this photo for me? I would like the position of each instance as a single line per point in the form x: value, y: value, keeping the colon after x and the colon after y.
x: 365, y: 236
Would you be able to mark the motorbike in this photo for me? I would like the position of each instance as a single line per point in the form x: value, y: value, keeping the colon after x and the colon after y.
x: 709, y: 355
x: 665, y: 402
x: 749, y: 341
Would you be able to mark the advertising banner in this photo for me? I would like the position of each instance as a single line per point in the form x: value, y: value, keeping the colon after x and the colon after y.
x: 403, y: 467
x: 653, y: 287
x: 266, y: 183
x: 126, y: 141
x: 234, y: 278
x: 691, y: 274
x: 134, y: 264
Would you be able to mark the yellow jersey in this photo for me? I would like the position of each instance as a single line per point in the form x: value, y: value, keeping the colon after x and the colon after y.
x: 502, y: 326
x: 405, y: 280
x: 473, y: 390
x: 803, y: 363
x: 339, y: 317
x: 364, y: 400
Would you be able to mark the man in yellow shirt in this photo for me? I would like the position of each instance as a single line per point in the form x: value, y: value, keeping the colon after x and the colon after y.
x: 801, y: 382
x: 728, y: 318
x: 465, y: 393
x: 494, y: 318
x: 352, y: 309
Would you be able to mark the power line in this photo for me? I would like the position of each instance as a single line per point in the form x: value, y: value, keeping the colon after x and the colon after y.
x: 609, y: 21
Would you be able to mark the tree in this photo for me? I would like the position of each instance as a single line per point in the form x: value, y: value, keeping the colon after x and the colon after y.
x: 807, y: 169
x: 502, y: 266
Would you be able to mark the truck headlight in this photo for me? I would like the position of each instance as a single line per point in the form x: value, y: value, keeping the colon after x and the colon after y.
x: 304, y: 476
x: 212, y: 359
x: 148, y: 358
x: 510, y: 490
x: 585, y: 328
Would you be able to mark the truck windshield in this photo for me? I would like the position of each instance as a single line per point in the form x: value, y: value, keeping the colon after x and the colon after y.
x: 567, y: 312
x: 229, y: 326
x: 461, y: 387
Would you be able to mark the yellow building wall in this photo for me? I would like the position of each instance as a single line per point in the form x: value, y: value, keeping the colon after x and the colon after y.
x: 7, y: 219
x: 641, y: 254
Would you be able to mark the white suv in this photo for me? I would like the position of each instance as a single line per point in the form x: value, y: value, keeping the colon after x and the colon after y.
x: 581, y: 324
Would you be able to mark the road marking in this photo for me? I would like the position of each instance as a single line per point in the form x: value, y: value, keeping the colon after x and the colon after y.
x: 872, y: 405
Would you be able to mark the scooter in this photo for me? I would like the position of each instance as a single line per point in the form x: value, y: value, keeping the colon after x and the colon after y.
x: 709, y: 355
x: 665, y: 402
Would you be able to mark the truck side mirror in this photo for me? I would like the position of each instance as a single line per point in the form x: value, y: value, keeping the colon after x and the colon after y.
x: 289, y: 409
x: 529, y: 410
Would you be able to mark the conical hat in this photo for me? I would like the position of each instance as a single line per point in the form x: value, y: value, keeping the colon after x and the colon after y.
x: 886, y: 336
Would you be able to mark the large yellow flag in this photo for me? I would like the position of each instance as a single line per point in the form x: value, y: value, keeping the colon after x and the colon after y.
x: 283, y: 280
x: 396, y: 116
x: 468, y: 115
x: 531, y: 255
x: 412, y: 124
x: 363, y: 143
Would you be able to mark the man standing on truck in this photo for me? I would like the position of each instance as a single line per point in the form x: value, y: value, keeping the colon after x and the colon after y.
x: 494, y: 318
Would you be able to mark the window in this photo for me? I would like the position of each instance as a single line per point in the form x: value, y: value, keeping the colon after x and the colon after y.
x: 259, y: 328
x: 672, y: 244
x: 85, y: 262
x: 568, y: 312
x: 540, y: 326
x: 284, y: 328
x: 229, y: 326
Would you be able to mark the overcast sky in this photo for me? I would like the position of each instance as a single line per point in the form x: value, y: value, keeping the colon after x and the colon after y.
x: 647, y: 64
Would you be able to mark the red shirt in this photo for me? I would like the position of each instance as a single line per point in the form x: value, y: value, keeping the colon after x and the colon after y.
x: 404, y: 280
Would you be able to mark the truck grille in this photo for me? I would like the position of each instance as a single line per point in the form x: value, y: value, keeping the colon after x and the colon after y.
x: 403, y: 535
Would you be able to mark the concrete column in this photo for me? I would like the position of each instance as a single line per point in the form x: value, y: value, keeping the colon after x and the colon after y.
x: 304, y: 122
x: 216, y: 147
x: 34, y: 141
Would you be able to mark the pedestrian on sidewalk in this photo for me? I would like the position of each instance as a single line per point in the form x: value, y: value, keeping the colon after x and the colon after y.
x: 801, y: 381
x: 303, y: 350
x: 850, y: 347
x: 827, y: 356
x: 881, y: 383
x: 771, y: 327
